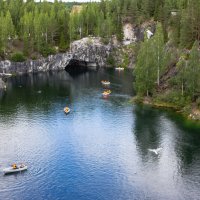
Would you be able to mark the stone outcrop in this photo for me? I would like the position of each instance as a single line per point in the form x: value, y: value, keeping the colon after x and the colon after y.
x: 90, y: 50
x: 53, y: 62
x: 135, y: 33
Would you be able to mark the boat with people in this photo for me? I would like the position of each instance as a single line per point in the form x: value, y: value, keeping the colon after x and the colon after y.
x: 105, y: 83
x: 66, y: 110
x: 106, y: 93
x: 119, y: 68
x: 15, y: 168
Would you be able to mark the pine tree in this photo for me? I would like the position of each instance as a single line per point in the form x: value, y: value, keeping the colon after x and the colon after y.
x: 186, y: 37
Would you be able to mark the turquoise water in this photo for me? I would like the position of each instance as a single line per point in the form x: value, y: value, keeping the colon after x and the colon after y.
x: 98, y: 151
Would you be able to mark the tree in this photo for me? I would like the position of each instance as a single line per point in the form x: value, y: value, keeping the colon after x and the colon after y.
x: 193, y: 71
x: 182, y: 75
x: 158, y: 49
x: 145, y: 75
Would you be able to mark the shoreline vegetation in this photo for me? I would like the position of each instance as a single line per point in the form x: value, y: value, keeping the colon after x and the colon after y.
x: 189, y: 113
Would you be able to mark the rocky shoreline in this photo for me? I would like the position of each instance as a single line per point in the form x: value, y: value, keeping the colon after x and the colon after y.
x: 53, y: 62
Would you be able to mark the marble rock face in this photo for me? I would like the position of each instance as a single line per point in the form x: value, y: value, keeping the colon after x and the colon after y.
x: 90, y: 50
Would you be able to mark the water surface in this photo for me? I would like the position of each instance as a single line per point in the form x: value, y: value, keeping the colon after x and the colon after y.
x: 98, y: 151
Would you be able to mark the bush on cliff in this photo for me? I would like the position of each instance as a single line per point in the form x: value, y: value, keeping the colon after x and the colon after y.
x: 111, y: 60
x: 18, y: 57
x: 47, y: 50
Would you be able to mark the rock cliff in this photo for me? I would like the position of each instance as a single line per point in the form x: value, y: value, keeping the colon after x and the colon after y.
x: 90, y: 50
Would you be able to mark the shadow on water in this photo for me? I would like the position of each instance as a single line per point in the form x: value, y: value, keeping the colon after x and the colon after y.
x: 149, y: 131
x: 100, y: 150
x: 146, y: 129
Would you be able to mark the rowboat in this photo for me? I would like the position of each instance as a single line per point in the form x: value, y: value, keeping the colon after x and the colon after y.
x: 119, y: 68
x: 10, y: 170
x: 106, y: 93
x: 106, y: 83
x: 66, y: 110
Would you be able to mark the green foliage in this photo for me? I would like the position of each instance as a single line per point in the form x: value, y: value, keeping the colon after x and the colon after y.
x: 111, y: 60
x: 63, y: 44
x: 173, y: 98
x: 46, y: 51
x: 158, y: 51
x: 18, y: 57
x: 198, y: 102
x: 193, y: 71
x: 125, y: 60
x: 150, y: 63
x: 105, y: 40
x: 145, y: 74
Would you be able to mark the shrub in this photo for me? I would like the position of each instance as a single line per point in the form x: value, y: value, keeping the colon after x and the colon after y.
x: 175, y: 98
x: 46, y: 51
x: 18, y: 57
x: 34, y: 57
x: 105, y: 40
x: 111, y: 60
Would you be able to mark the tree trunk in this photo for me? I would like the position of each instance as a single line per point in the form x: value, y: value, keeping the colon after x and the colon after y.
x: 158, y: 72
x: 46, y: 36
x: 182, y: 88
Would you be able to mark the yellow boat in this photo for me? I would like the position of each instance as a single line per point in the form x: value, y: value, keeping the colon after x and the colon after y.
x: 66, y: 110
x: 106, y: 93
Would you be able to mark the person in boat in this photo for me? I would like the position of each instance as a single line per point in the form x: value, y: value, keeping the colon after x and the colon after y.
x: 14, y: 166
x: 22, y: 165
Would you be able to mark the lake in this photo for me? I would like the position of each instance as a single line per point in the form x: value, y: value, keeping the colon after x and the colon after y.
x: 100, y: 150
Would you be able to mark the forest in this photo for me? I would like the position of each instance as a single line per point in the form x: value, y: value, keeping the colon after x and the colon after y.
x: 30, y: 30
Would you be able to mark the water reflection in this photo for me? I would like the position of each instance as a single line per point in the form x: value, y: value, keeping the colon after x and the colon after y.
x: 100, y: 150
x: 178, y: 161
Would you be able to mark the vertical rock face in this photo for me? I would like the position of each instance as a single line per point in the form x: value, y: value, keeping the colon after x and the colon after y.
x: 53, y: 62
x: 91, y: 50
x: 135, y: 33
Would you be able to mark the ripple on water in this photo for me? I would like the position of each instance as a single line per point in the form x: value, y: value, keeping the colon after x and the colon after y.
x: 98, y: 151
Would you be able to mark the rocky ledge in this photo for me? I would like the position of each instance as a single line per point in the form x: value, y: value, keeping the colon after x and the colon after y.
x: 53, y: 62
x: 90, y: 50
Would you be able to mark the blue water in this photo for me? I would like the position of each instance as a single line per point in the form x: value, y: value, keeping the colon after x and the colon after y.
x: 98, y: 151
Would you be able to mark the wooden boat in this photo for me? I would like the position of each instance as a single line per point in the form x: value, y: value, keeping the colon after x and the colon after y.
x: 106, y: 93
x: 119, y: 68
x: 66, y: 110
x: 11, y: 169
x: 106, y: 83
